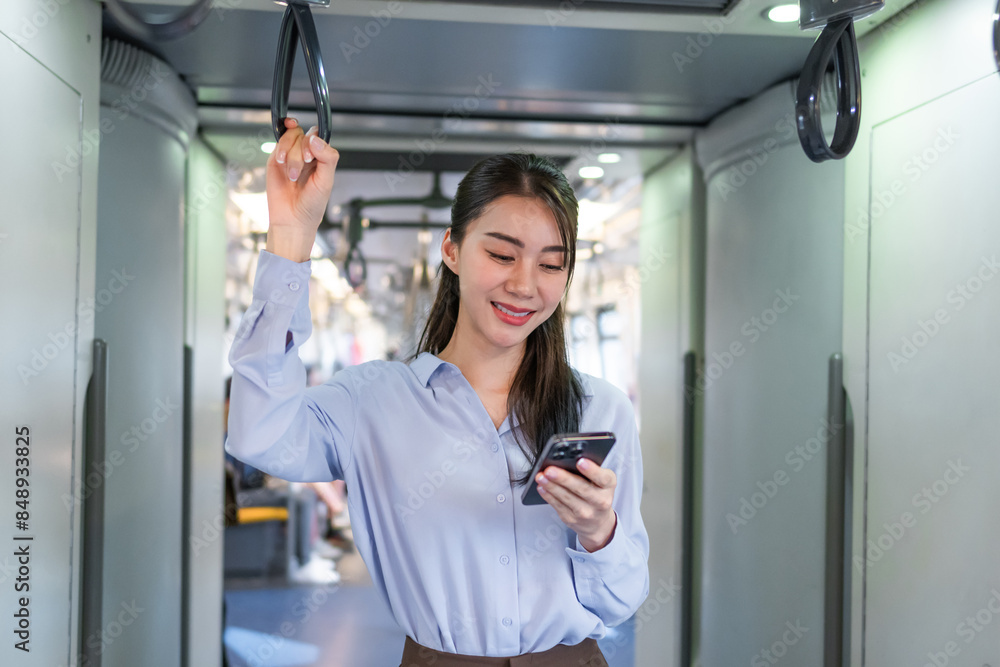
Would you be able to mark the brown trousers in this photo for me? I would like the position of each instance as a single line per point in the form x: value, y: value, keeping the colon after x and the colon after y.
x: 584, y: 654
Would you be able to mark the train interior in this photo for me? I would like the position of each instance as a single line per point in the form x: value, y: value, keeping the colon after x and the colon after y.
x: 807, y: 334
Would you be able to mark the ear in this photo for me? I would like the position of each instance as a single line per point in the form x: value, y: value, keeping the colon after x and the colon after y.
x: 449, y: 252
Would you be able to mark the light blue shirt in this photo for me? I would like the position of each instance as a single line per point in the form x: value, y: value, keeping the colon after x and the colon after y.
x: 463, y: 566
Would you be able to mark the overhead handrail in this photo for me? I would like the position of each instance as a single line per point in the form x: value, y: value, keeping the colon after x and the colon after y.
x: 839, y: 43
x: 355, y: 224
x: 296, y: 22
x: 171, y: 27
x: 436, y: 199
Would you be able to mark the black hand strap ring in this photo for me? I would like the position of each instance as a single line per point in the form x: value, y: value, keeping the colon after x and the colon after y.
x: 838, y: 43
x: 355, y: 258
x: 297, y: 21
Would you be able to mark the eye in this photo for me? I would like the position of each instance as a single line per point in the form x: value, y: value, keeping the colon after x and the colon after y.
x: 502, y: 258
x: 552, y: 267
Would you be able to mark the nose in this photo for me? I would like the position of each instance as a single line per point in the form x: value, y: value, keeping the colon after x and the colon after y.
x: 521, y: 280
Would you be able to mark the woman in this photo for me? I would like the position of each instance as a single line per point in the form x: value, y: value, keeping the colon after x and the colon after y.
x: 435, y: 451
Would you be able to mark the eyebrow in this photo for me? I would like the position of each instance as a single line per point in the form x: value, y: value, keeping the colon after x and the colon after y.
x: 520, y: 244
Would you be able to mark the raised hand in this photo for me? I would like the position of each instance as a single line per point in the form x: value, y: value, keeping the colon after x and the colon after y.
x: 300, y: 173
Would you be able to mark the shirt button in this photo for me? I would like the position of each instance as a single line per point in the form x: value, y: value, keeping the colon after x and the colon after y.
x: 494, y: 448
x: 294, y: 286
x: 504, y: 559
x: 501, y: 497
x: 506, y: 621
x: 579, y: 559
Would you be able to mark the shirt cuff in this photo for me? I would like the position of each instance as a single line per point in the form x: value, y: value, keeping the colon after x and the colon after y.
x: 594, y: 564
x: 281, y: 281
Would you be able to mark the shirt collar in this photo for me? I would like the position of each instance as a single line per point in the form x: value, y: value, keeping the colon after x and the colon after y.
x: 426, y: 363
x: 424, y: 366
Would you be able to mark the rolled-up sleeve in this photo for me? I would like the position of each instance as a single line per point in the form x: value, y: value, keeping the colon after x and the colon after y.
x: 276, y: 424
x: 613, y: 581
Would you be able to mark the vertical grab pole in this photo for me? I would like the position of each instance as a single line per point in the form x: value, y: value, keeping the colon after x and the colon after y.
x: 92, y: 554
x: 996, y: 35
x: 687, y: 507
x: 836, y: 498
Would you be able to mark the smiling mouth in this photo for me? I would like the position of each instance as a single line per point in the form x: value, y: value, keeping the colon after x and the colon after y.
x: 512, y: 313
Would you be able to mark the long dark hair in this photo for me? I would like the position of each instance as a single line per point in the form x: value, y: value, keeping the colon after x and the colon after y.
x: 545, y: 395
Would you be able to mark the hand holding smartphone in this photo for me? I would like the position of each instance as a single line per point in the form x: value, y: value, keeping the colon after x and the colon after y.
x: 563, y: 450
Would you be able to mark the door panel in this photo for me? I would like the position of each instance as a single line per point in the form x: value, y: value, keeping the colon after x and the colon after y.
x: 932, y: 549
x: 40, y: 185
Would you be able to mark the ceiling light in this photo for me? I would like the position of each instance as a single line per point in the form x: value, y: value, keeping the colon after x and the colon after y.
x: 591, y: 172
x: 784, y: 13
x: 609, y: 158
x: 268, y: 147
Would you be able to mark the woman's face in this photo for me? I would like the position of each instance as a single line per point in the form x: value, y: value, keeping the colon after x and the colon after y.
x: 511, y: 259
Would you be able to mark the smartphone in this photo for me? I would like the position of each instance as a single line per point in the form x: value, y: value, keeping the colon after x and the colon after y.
x: 562, y: 450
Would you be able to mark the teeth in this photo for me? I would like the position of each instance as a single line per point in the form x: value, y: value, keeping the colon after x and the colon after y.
x: 510, y: 312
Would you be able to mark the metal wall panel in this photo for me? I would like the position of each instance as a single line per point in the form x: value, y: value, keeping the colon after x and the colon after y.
x: 772, y: 320
x: 140, y: 236
x: 42, y: 317
x: 930, y: 548
x: 205, y: 317
x: 669, y: 216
